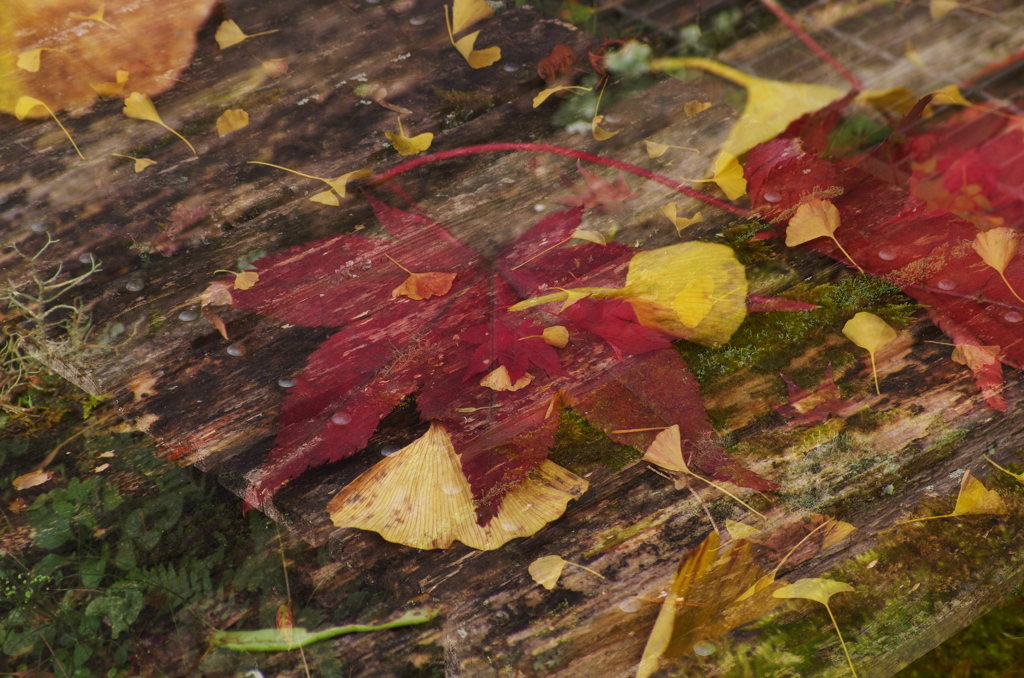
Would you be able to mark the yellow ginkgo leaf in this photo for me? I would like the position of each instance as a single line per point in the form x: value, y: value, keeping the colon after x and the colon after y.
x: 819, y: 590
x: 96, y: 16
x: 1018, y: 476
x: 739, y: 530
x: 871, y: 333
x: 501, y: 380
x: 112, y: 89
x: 465, y: 13
x: 246, y: 279
x: 996, y: 248
x: 593, y: 236
x: 556, y: 335
x: 815, y: 218
x: 24, y: 107
x: 231, y: 120
x: 666, y: 451
x: 692, y: 108
x: 657, y: 277
x: 695, y: 301
x: 409, y: 145
x: 140, y: 163
x: 679, y: 222
x: 547, y: 570
x: 30, y: 60
x: 771, y: 104
x: 950, y: 94
x: 229, y: 34
x: 545, y: 93
x: 656, y: 150
x: 729, y: 176
x: 599, y: 132
x: 140, y: 107
x: 337, y: 185
x: 975, y: 499
x: 896, y: 99
x: 419, y: 497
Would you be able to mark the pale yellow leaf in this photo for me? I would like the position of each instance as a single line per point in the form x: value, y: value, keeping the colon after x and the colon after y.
x: 500, y: 380
x: 815, y: 218
x: 143, y: 163
x: 694, y: 302
x: 996, y: 247
x: 940, y: 8
x: 30, y: 60
x: 409, y: 145
x: 231, y: 120
x: 327, y: 197
x: 976, y: 499
x: 656, y: 150
x: 275, y: 68
x: 544, y: 94
x: 246, y: 279
x: 341, y: 182
x: 25, y: 106
x: 112, y: 89
x: 465, y: 13
x: 836, y: 533
x: 547, y: 570
x: 31, y: 479
x: 729, y: 176
x: 666, y: 451
x: 556, y: 335
x: 593, y: 236
x: 950, y: 94
x: 869, y: 331
x: 818, y: 590
x: 739, y: 530
x: 419, y: 497
x: 599, y: 132
x: 96, y: 16
x: 140, y: 107
x: 229, y: 34
x: 481, y: 58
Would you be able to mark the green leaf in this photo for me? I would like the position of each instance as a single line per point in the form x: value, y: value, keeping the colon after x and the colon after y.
x: 120, y: 607
x: 92, y: 571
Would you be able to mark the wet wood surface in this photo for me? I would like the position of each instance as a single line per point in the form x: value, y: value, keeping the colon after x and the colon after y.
x: 214, y: 402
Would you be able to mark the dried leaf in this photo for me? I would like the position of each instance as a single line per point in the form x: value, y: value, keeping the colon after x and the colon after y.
x: 703, y: 601
x: 547, y: 570
x: 976, y: 499
x: 24, y: 108
x: 680, y: 223
x: 140, y: 107
x: 739, y: 530
x: 112, y: 89
x: 285, y: 623
x: 229, y: 34
x: 592, y: 236
x: 815, y: 407
x: 419, y: 497
x: 559, y: 61
x: 275, y: 68
x: 424, y: 286
x: 692, y: 108
x: 140, y: 163
x: 31, y: 479
x: 656, y: 150
x: 599, y: 132
x: 544, y: 94
x: 465, y: 13
x: 409, y: 145
x: 246, y: 279
x: 231, y: 120
x: 871, y: 333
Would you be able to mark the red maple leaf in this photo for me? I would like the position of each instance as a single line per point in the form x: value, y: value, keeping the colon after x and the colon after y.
x: 600, y: 193
x: 905, y: 239
x: 815, y: 407
x: 387, y: 348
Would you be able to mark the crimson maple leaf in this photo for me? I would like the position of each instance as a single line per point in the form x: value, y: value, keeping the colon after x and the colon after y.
x: 815, y: 407
x: 600, y: 193
x: 389, y: 347
x: 906, y: 239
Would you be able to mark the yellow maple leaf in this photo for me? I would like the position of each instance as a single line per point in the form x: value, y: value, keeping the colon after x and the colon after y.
x: 140, y: 107
x: 231, y: 120
x: 229, y: 34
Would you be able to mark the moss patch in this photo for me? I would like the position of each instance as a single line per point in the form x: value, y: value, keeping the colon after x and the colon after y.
x: 580, y: 447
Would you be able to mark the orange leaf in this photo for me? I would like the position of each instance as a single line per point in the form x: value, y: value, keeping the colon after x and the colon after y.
x: 424, y: 285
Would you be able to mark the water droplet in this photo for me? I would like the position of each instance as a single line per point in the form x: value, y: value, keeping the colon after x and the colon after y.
x: 509, y: 67
x: 286, y: 382
x: 631, y: 605
x: 236, y: 350
x: 417, y: 21
x: 450, y: 490
x: 1013, y: 317
x: 390, y: 450
x: 188, y: 315
x: 704, y: 648
x: 38, y: 228
x: 539, y: 208
x: 946, y: 284
x: 85, y: 258
x: 612, y: 118
x: 509, y: 526
x: 886, y: 255
x: 134, y: 285
x: 341, y: 418
x: 772, y: 196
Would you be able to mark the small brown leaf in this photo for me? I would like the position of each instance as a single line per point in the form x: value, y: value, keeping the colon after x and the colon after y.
x: 559, y: 61
x: 231, y: 120
x: 31, y: 479
x: 692, y: 108
x: 424, y: 286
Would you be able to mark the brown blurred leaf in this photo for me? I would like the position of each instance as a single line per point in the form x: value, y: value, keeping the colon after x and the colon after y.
x: 559, y: 61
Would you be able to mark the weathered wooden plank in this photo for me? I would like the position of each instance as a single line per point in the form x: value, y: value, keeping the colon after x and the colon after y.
x: 204, y: 404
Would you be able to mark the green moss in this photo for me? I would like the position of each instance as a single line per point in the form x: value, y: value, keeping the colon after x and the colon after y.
x: 580, y: 447
x: 740, y: 237
x: 767, y: 342
x: 454, y: 106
